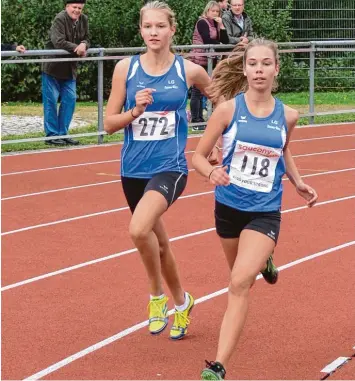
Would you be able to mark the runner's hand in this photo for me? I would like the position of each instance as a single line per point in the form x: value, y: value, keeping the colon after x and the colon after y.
x: 308, y: 193
x: 219, y: 176
x: 213, y: 156
x: 143, y: 99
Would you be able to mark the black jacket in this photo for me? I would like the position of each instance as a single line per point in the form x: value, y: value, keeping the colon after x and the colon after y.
x: 234, y: 31
x: 8, y: 47
x: 66, y: 34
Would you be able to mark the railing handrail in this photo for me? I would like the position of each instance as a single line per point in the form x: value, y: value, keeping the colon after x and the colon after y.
x: 101, y: 55
x: 55, y: 52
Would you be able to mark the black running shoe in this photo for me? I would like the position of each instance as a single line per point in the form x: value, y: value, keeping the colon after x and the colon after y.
x: 213, y: 371
x: 271, y: 273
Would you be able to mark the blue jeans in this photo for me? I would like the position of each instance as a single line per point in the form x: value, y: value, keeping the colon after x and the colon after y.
x: 204, y: 102
x: 57, y: 123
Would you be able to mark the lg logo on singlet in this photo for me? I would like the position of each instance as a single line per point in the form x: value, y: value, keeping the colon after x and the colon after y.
x: 172, y: 85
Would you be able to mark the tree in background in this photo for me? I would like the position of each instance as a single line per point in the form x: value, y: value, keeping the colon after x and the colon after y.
x: 112, y: 24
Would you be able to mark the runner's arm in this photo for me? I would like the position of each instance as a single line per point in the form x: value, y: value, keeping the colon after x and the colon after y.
x: 304, y: 190
x: 217, y: 123
x: 115, y: 120
x: 214, y: 155
x: 292, y: 173
x: 197, y: 76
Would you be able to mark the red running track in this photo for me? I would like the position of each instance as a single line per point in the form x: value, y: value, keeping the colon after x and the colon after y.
x: 294, y: 328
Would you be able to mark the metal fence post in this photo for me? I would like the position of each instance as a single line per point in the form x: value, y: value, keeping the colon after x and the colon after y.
x: 312, y: 59
x: 100, y: 96
x: 209, y: 70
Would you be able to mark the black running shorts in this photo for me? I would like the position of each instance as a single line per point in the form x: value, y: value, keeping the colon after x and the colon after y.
x: 169, y: 184
x: 230, y: 222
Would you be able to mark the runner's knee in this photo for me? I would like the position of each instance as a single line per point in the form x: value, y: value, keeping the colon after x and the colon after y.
x: 240, y: 284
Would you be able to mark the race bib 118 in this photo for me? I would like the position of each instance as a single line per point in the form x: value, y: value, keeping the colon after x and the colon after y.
x: 253, y: 166
x: 154, y: 125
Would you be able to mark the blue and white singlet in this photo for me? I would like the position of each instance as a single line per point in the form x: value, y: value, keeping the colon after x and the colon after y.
x: 253, y: 152
x: 156, y: 140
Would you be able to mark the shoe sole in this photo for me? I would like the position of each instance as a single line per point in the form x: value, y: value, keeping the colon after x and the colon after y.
x: 175, y: 338
x: 160, y: 331
x: 208, y: 374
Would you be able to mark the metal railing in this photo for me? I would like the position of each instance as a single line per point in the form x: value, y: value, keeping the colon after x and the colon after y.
x: 320, y: 19
x: 103, y: 54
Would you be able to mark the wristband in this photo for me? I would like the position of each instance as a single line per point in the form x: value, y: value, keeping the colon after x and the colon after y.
x: 209, y: 176
x: 135, y: 117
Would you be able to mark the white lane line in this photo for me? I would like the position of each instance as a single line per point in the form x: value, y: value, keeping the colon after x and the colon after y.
x: 89, y: 215
x: 327, y: 125
x: 340, y: 361
x: 74, y: 148
x: 70, y: 188
x: 60, y: 190
x: 118, y: 160
x: 327, y: 173
x: 125, y: 208
x: 60, y: 167
x: 324, y: 153
x: 94, y: 261
x: 102, y: 259
x: 66, y: 149
x: 66, y: 166
x: 103, y: 145
x: 109, y: 182
x: 136, y: 327
x: 322, y: 137
x: 65, y: 220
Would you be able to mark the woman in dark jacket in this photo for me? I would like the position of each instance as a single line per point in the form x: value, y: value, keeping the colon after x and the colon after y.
x: 209, y: 30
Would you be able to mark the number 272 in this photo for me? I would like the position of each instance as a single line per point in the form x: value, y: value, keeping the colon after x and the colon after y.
x: 162, y: 120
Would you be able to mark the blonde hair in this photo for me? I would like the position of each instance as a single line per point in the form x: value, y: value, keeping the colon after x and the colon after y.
x: 210, y: 5
x: 160, y: 6
x: 228, y: 77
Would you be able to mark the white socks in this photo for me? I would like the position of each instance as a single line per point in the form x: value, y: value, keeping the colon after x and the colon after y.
x: 157, y: 297
x: 185, y: 305
x: 181, y: 308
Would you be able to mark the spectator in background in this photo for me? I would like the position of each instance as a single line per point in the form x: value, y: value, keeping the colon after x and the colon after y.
x: 223, y: 4
x: 209, y: 29
x: 18, y: 48
x: 69, y: 31
x: 237, y: 23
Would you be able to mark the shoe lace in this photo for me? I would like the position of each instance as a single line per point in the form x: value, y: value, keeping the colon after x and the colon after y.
x: 270, y: 265
x: 155, y: 308
x: 181, y: 320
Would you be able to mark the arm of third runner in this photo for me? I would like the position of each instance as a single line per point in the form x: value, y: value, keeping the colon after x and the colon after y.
x: 304, y: 190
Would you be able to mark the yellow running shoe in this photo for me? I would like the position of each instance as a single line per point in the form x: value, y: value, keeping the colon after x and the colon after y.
x: 181, y: 321
x: 158, y: 315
